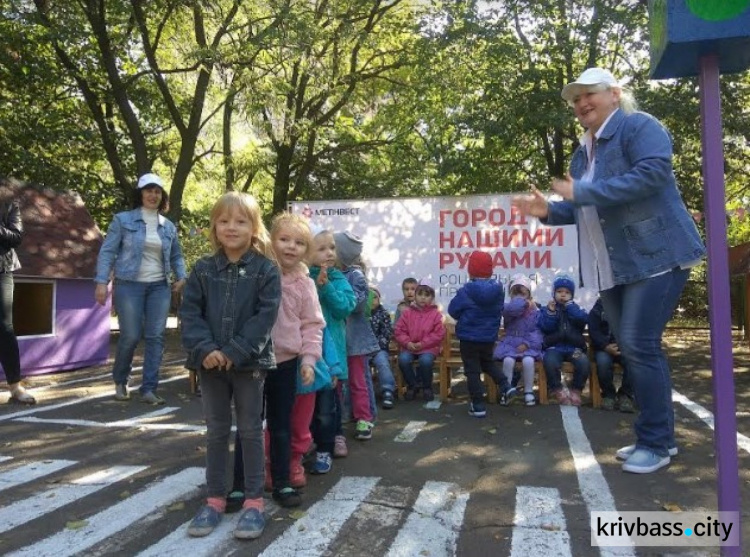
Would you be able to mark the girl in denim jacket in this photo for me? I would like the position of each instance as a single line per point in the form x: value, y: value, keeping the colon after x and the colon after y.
x: 230, y: 305
x: 360, y: 340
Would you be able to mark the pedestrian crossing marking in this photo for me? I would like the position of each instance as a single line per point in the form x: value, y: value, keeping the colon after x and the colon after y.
x: 117, y: 517
x: 4, y: 458
x: 707, y: 417
x: 410, y: 432
x: 188, y: 428
x: 539, y: 524
x: 31, y: 472
x: 311, y: 535
x: 433, y: 526
x: 31, y: 508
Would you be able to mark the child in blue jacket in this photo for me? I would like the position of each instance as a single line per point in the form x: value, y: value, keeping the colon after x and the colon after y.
x: 562, y: 322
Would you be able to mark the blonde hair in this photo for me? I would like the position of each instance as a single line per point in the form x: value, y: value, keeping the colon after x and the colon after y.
x: 297, y: 224
x: 248, y: 205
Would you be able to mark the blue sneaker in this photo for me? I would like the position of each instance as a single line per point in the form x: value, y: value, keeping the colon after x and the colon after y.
x: 508, y: 396
x: 204, y: 522
x: 251, y: 524
x: 477, y: 409
x: 644, y: 461
x: 322, y: 464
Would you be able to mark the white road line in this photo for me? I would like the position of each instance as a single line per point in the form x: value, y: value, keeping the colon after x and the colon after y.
x: 539, y: 524
x: 33, y: 507
x: 189, y: 428
x: 311, y: 535
x: 30, y: 472
x: 4, y: 458
x: 118, y: 517
x: 743, y: 442
x: 144, y: 418
x: 410, y: 432
x: 179, y: 544
x: 594, y: 488
x: 433, y: 526
x: 42, y: 408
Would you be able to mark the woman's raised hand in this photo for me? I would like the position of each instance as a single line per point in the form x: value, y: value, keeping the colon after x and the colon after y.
x: 531, y: 204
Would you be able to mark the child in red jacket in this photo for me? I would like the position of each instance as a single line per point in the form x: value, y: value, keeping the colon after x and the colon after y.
x: 419, y: 333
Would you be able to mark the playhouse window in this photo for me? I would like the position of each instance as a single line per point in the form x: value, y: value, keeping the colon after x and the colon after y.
x: 33, y: 308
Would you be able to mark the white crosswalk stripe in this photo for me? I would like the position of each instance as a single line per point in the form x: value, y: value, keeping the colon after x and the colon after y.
x: 539, y: 524
x: 30, y: 472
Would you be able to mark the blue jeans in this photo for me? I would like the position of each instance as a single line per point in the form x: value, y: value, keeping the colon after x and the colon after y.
x: 638, y: 314
x: 425, y: 362
x: 553, y: 360
x: 142, y: 309
x: 605, y: 371
x: 385, y: 375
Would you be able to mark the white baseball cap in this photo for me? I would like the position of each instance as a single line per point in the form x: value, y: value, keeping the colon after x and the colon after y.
x: 591, y: 76
x: 150, y: 180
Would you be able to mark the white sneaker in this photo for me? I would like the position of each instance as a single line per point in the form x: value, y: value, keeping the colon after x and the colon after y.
x: 529, y: 399
x: 644, y: 461
x: 121, y: 392
x: 625, y: 452
x: 151, y: 397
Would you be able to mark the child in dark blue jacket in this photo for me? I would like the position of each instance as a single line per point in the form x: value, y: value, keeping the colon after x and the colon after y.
x: 562, y: 322
x: 478, y: 309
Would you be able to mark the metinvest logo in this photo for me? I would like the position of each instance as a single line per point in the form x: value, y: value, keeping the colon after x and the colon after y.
x: 683, y: 529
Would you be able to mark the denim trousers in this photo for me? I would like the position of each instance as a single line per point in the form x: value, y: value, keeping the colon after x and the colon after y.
x: 477, y: 359
x: 425, y: 362
x: 142, y: 310
x: 638, y: 314
x: 280, y: 390
x: 381, y: 362
x: 553, y: 360
x: 10, y: 357
x: 218, y: 390
x: 605, y: 371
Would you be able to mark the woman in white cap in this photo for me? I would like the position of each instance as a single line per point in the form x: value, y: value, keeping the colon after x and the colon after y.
x: 141, y: 250
x: 636, y: 241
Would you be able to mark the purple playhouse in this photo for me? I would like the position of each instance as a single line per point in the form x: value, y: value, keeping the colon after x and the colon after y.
x: 58, y: 323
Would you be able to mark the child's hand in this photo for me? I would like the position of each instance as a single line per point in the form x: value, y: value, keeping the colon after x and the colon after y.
x: 334, y: 381
x: 323, y: 276
x: 307, y: 373
x: 522, y: 348
x: 612, y: 349
x: 417, y: 346
x: 411, y: 347
x: 552, y: 305
x: 217, y: 360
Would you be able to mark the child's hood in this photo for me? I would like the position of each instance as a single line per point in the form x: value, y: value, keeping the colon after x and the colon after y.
x: 484, y: 291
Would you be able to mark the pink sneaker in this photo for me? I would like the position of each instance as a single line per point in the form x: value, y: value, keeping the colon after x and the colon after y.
x: 562, y: 397
x: 575, y: 397
x: 297, y: 475
x: 339, y: 447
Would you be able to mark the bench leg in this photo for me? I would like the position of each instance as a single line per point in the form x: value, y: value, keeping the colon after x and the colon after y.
x: 541, y: 378
x: 594, y: 389
x: 193, y: 381
x: 491, y: 387
x: 444, y: 373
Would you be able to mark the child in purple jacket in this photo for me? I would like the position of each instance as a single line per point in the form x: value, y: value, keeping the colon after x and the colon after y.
x: 523, y: 339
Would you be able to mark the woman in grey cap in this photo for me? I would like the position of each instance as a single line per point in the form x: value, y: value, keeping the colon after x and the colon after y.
x: 636, y: 243
x: 141, y: 250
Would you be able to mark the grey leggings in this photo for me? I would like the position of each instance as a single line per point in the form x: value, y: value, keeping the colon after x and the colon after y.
x: 219, y: 389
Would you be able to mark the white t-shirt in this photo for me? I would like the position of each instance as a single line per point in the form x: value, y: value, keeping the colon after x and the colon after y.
x: 152, y: 264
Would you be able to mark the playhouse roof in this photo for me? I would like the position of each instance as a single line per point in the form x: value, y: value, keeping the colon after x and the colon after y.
x: 60, y: 238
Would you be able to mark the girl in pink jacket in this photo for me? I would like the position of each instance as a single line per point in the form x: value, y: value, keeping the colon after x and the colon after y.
x: 419, y: 333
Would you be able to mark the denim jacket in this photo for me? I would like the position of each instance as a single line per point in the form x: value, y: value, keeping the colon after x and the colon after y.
x: 360, y: 340
x: 231, y: 307
x: 646, y: 226
x: 122, y: 248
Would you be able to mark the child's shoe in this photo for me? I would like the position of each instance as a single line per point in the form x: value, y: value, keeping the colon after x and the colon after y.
x: 322, y: 464
x: 562, y: 397
x: 625, y: 404
x: 340, y: 450
x: 364, y: 430
x: 297, y: 474
x: 251, y: 524
x: 121, y: 392
x: 477, y: 409
x: 204, y: 522
x: 508, y: 396
x: 575, y: 397
x: 529, y: 399
x: 287, y: 497
x: 608, y: 403
x: 387, y: 400
x: 427, y: 394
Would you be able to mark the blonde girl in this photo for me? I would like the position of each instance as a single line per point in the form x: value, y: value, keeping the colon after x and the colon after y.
x: 230, y: 305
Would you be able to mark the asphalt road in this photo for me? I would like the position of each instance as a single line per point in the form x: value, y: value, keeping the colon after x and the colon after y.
x: 81, y: 474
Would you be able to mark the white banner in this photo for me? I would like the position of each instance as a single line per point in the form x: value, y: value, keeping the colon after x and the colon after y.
x: 432, y: 237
